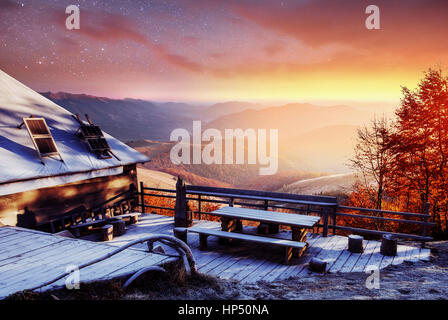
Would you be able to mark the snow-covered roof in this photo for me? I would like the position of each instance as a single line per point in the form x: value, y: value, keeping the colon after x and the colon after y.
x: 19, y: 159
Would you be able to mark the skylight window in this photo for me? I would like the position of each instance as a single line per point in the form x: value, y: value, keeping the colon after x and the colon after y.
x: 41, y: 136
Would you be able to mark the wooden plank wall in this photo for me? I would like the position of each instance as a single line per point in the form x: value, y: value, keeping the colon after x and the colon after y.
x: 36, y: 206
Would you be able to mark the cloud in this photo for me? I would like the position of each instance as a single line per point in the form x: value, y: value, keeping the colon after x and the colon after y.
x: 114, y: 28
x: 412, y: 28
x: 8, y: 4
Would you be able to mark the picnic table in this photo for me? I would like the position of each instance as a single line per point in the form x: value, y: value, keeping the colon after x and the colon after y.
x: 232, y: 228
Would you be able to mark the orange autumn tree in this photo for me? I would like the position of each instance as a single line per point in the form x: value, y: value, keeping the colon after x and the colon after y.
x: 407, y: 161
x: 420, y: 148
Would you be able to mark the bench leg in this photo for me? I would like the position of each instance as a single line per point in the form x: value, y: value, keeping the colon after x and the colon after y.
x: 289, y: 253
x: 203, y: 241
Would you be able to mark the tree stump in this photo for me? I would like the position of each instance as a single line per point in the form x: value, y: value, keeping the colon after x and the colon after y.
x: 389, y: 245
x: 355, y: 243
x: 119, y: 227
x: 317, y: 265
x: 107, y: 232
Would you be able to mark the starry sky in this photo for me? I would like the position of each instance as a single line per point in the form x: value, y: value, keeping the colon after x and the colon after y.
x: 222, y: 50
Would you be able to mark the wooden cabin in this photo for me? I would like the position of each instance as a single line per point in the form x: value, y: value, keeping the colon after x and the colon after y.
x: 52, y: 162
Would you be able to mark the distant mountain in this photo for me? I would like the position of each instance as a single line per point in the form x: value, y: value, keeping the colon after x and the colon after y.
x: 292, y: 119
x: 127, y: 119
x: 324, y: 149
x: 134, y: 119
x: 225, y: 108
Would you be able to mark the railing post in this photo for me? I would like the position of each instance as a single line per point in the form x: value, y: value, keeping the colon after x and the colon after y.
x: 231, y: 201
x: 325, y: 218
x: 199, y: 206
x: 181, y: 218
x: 426, y: 220
x: 266, y: 205
x: 334, y: 220
x: 142, y: 196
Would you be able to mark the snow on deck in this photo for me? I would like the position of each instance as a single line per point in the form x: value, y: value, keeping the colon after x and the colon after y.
x: 250, y: 262
x: 29, y: 258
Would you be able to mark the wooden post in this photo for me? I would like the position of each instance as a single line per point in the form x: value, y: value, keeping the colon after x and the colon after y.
x: 142, y: 196
x: 325, y: 220
x: 181, y: 218
x: 334, y: 220
x: 181, y: 234
x: 199, y: 207
x: 425, y: 219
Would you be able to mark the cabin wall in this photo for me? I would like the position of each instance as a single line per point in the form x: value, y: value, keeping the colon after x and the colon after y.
x: 46, y: 203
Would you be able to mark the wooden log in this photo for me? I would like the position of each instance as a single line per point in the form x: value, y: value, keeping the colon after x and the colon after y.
x: 355, y: 243
x: 388, y: 245
x: 107, y: 232
x: 317, y: 265
x: 119, y: 227
x: 181, y: 234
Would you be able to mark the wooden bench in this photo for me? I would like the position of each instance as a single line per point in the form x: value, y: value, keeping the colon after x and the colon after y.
x: 289, y: 245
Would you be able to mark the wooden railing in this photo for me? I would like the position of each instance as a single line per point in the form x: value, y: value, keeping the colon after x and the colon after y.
x: 329, y: 214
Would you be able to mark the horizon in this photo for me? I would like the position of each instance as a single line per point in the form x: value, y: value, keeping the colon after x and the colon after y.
x: 269, y: 103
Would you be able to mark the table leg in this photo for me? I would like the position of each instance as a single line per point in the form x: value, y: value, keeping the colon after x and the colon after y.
x: 267, y: 228
x: 228, y: 225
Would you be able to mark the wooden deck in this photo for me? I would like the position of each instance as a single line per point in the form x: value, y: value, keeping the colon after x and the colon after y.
x: 29, y: 258
x: 250, y: 262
